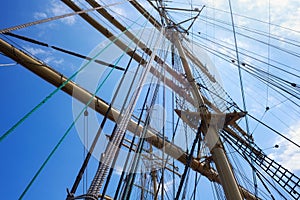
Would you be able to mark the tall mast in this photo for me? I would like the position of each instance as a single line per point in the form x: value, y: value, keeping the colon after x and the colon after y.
x: 228, y: 180
x: 227, y: 177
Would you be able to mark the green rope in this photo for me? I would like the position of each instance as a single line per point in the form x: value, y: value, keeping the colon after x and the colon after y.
x: 58, y: 88
x: 72, y: 125
x: 63, y: 137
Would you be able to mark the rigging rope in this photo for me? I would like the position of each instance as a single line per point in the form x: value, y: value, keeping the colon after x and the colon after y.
x: 227, y: 139
x: 132, y: 144
x: 219, y: 43
x: 243, y: 16
x: 122, y: 124
x: 135, y: 161
x: 269, y: 40
x: 255, y: 31
x: 130, y: 149
x: 272, y: 129
x: 190, y: 155
x: 255, y: 19
x: 117, y: 154
x: 85, y: 146
x: 115, y: 127
x: 239, y: 67
x: 197, y: 180
x: 73, y: 123
x: 132, y: 103
x: 62, y: 50
x: 64, y: 136
x: 84, y: 165
x: 266, y: 187
x: 264, y: 124
x: 6, y: 30
x: 164, y: 163
x: 139, y: 121
x: 296, y: 54
x: 60, y: 87
x: 222, y: 55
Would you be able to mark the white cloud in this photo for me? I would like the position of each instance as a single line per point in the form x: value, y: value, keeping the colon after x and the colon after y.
x: 290, y: 20
x: 39, y: 15
x: 168, y: 185
x: 49, y: 59
x: 36, y: 51
x: 53, y: 60
x: 288, y: 154
x: 283, y: 13
x: 57, y: 8
x: 260, y: 10
x: 120, y: 11
x: 59, y: 61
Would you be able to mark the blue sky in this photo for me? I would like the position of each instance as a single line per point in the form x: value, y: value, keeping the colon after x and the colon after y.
x: 26, y: 148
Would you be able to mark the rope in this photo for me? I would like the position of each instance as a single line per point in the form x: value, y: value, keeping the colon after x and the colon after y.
x: 239, y: 66
x: 85, y: 146
x: 245, y: 53
x: 139, y: 148
x: 8, y: 64
x: 62, y: 50
x: 165, y: 164
x: 230, y: 142
x: 68, y: 130
x: 197, y: 180
x: 294, y: 53
x: 135, y: 161
x: 272, y: 129
x: 88, y: 156
x: 63, y: 137
x: 122, y: 124
x: 6, y: 30
x: 262, y: 123
x: 139, y: 121
x: 57, y: 89
x: 136, y: 129
x: 123, y: 107
x: 260, y: 78
x: 269, y: 40
x: 132, y: 143
x: 187, y: 166
x: 82, y: 111
x: 286, y: 40
x: 255, y: 19
x: 119, y: 147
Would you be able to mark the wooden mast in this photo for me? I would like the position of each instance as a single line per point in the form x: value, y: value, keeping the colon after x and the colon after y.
x: 227, y: 177
x: 228, y: 180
